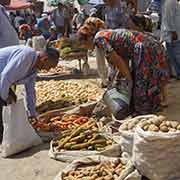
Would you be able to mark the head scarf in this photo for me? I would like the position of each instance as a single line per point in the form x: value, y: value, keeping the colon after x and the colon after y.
x: 143, y: 22
x: 91, y: 26
x: 25, y: 28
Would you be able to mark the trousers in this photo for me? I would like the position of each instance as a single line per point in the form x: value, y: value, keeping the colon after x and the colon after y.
x: 174, y: 59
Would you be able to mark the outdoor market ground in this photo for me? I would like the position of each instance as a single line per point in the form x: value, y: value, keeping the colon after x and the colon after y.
x: 34, y: 164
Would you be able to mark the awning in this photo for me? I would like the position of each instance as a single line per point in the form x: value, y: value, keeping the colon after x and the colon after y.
x: 19, y: 4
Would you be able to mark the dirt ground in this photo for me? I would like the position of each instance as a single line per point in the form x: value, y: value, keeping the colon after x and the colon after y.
x: 34, y: 164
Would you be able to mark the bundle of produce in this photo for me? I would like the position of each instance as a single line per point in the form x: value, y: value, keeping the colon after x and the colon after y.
x: 156, y: 148
x: 99, y: 168
x: 59, y: 123
x: 70, y: 46
x: 85, y: 137
x: 59, y: 94
x: 85, y: 140
x: 127, y: 132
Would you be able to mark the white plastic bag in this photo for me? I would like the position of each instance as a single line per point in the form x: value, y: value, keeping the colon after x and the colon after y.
x: 157, y: 155
x: 18, y: 133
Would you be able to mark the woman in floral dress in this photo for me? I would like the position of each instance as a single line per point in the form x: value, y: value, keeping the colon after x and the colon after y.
x: 148, y: 72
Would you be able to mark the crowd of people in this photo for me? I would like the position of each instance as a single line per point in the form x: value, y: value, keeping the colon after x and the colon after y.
x: 136, y: 57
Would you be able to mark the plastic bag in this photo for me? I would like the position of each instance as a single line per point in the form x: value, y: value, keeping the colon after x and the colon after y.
x: 18, y: 133
x: 157, y: 155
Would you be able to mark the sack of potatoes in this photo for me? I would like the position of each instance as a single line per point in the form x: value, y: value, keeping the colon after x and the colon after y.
x: 156, y: 148
x: 160, y: 124
x: 127, y: 130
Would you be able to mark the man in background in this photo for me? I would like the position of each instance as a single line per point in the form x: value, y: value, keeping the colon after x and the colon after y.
x: 60, y: 18
x: 8, y: 35
x: 170, y: 32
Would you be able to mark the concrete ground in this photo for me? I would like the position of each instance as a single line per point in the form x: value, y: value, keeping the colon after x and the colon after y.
x: 34, y: 164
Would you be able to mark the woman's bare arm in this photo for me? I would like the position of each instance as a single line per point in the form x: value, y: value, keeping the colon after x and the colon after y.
x: 119, y: 62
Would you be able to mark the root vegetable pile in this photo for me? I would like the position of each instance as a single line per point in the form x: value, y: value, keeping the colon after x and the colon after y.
x: 59, y: 94
x: 131, y: 124
x: 59, y: 123
x: 59, y: 70
x: 85, y: 137
x: 109, y: 170
x: 160, y: 124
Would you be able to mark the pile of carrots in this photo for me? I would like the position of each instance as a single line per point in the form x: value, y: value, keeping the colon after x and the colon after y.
x: 59, y: 123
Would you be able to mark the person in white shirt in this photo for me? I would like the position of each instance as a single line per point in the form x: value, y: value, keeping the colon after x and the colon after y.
x: 17, y: 20
x: 170, y: 31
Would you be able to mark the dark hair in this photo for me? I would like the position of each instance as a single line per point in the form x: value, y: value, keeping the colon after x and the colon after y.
x: 52, y: 53
x: 143, y: 22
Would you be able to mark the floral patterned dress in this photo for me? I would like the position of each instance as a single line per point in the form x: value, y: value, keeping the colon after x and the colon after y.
x: 149, y: 66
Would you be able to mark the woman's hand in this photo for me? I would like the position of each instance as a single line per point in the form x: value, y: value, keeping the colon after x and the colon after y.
x: 119, y: 62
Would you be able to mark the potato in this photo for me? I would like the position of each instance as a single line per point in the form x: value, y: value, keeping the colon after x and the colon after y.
x: 168, y: 123
x: 178, y: 127
x: 153, y: 127
x: 108, y: 177
x: 146, y: 127
x: 157, y: 121
x: 164, y: 128
x: 172, y: 130
x: 174, y: 124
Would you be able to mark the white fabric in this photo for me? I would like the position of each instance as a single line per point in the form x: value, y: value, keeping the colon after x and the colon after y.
x: 101, y: 65
x: 170, y: 19
x: 38, y: 43
x: 157, y: 155
x: 18, y: 133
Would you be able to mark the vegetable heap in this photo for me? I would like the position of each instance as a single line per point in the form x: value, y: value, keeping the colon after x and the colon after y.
x: 59, y: 123
x: 160, y: 124
x: 85, y: 137
x: 109, y: 170
x: 59, y: 70
x: 69, y: 46
x: 131, y: 124
x: 59, y: 94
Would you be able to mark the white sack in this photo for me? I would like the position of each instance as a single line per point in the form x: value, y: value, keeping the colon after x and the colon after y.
x: 18, y: 133
x: 127, y: 137
x: 157, y: 155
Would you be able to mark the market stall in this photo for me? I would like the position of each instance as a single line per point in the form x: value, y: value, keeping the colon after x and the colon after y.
x: 70, y: 50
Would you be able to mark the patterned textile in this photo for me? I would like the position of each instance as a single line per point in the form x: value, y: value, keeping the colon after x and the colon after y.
x: 91, y: 26
x: 148, y: 64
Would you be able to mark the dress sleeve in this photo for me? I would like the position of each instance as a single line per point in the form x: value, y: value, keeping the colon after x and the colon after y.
x: 103, y: 43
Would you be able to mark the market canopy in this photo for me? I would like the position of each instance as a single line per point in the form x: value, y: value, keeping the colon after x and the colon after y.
x: 55, y: 2
x: 19, y: 4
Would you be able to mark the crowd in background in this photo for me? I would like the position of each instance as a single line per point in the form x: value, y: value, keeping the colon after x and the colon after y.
x: 65, y: 20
